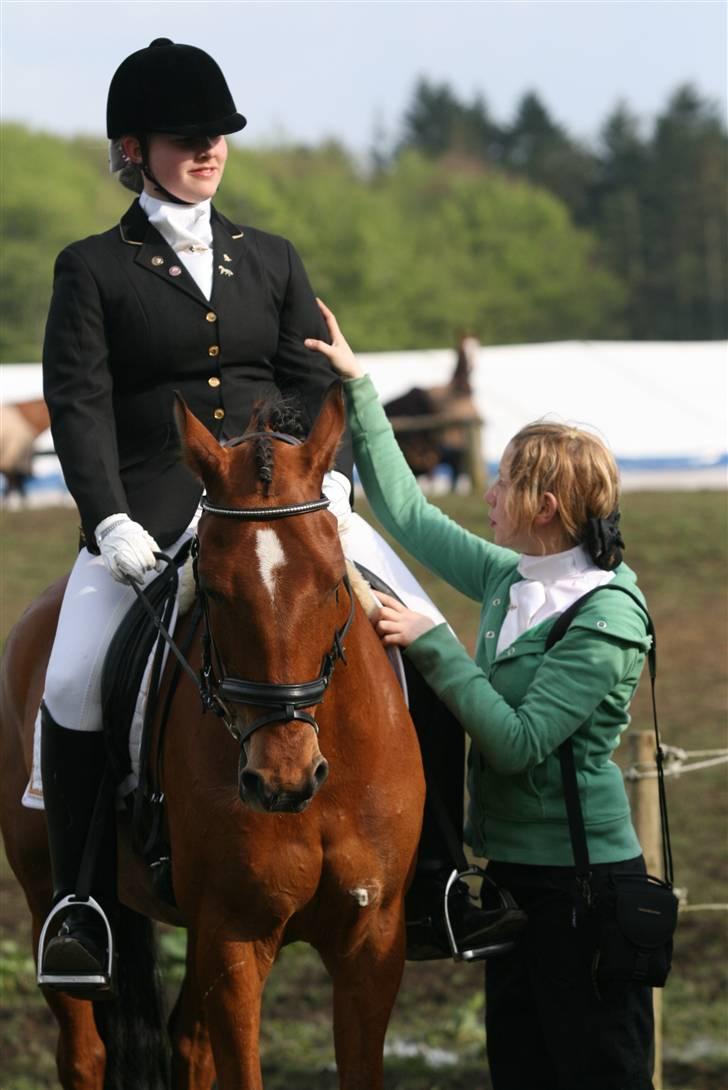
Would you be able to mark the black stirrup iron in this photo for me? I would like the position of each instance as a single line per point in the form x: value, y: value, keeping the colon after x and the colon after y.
x: 77, y: 982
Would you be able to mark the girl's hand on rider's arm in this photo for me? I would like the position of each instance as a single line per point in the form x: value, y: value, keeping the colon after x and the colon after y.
x: 396, y: 624
x: 338, y: 353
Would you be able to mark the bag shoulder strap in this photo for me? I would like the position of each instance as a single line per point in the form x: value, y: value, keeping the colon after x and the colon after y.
x: 566, y: 750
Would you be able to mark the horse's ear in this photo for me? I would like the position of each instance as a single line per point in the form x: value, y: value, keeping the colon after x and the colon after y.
x: 325, y: 435
x: 202, y: 452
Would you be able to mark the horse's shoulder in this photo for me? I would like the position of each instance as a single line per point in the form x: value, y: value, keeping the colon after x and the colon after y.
x: 41, y: 614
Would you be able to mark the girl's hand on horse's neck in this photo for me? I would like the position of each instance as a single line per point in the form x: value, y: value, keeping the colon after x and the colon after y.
x: 338, y: 353
x: 398, y: 625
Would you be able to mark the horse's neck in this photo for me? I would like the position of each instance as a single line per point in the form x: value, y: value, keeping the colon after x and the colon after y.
x: 35, y: 413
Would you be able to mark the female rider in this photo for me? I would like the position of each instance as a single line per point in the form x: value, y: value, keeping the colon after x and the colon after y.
x: 553, y: 516
x: 174, y: 297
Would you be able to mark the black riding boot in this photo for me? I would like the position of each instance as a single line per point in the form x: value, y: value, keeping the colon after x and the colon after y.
x: 73, y: 764
x: 442, y: 742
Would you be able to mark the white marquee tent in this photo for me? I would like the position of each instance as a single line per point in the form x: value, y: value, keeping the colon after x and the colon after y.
x: 662, y: 407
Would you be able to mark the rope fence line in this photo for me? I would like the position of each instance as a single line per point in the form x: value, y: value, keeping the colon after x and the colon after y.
x: 702, y: 908
x: 682, y: 895
x: 675, y: 763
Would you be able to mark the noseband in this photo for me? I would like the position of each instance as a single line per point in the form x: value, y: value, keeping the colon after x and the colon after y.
x: 284, y: 701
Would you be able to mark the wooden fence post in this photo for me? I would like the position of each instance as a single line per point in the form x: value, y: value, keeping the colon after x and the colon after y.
x: 645, y: 803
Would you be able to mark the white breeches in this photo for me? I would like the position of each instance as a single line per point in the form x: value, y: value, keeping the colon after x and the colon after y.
x: 94, y: 605
x: 92, y: 609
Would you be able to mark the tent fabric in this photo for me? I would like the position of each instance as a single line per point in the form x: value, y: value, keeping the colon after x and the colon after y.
x: 661, y: 407
x: 650, y: 401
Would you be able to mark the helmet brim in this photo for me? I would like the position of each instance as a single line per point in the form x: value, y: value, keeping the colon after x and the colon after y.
x: 222, y: 127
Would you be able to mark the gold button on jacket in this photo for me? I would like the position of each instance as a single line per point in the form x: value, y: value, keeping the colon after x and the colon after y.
x: 219, y: 414
x: 211, y: 316
x: 214, y: 350
x: 213, y: 381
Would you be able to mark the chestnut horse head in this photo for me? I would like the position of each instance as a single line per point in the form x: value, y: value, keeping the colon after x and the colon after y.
x: 272, y: 578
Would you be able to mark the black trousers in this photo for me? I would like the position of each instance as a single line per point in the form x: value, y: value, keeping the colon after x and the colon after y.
x: 442, y: 744
x: 546, y: 1028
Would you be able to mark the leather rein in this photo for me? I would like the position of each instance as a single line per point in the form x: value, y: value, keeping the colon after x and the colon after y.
x: 284, y: 703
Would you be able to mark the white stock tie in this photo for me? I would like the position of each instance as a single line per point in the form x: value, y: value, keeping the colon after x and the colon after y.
x: 187, y: 229
x: 530, y: 596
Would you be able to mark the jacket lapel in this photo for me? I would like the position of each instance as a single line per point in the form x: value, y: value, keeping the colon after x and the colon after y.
x: 155, y: 255
x: 229, y: 247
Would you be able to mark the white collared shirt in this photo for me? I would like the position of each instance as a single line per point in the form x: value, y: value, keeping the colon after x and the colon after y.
x: 549, y: 586
x: 187, y: 229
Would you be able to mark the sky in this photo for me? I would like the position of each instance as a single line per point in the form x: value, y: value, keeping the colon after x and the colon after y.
x: 307, y: 70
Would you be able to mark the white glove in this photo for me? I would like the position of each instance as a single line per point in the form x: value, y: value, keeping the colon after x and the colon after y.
x: 337, y: 489
x: 126, y: 548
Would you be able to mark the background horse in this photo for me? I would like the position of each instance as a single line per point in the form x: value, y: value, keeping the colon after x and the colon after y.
x: 425, y: 450
x: 294, y: 834
x: 20, y: 425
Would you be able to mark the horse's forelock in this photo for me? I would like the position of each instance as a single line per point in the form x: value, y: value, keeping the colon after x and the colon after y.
x: 276, y: 413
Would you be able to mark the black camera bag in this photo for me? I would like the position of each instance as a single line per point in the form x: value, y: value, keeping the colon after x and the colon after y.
x: 631, y: 922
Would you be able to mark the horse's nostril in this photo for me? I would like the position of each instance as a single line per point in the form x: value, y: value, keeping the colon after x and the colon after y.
x: 321, y: 773
x: 250, y: 783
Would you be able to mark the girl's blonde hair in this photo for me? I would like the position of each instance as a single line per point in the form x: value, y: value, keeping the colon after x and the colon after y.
x: 574, y: 464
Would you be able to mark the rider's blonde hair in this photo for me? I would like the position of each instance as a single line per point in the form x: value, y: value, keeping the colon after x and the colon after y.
x: 572, y: 463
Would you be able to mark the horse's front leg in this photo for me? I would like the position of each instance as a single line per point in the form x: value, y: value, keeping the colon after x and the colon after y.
x: 231, y: 977
x: 192, y: 1063
x: 366, y: 969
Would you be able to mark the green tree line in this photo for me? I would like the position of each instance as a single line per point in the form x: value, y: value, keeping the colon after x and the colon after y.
x: 655, y: 202
x: 514, y: 233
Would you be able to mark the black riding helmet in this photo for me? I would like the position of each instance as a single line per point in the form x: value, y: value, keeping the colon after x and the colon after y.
x: 168, y: 88
x: 171, y: 89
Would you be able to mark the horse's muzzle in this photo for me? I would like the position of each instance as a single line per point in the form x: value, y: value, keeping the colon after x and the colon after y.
x: 258, y: 794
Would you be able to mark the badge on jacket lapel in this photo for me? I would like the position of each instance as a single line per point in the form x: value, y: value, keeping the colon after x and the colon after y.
x: 225, y: 272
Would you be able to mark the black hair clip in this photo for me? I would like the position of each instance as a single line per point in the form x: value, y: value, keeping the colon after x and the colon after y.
x: 604, y: 542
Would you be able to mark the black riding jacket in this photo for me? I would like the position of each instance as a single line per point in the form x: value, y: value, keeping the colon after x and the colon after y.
x: 124, y: 332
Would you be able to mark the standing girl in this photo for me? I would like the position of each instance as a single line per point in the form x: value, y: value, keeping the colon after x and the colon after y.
x: 553, y: 513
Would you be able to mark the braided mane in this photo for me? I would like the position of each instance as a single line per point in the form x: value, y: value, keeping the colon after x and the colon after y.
x: 276, y: 413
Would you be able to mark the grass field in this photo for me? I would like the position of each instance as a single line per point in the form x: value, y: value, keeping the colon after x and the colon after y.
x: 678, y: 543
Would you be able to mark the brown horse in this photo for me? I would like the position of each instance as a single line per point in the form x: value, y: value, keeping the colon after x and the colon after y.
x: 306, y: 830
x: 427, y: 449
x: 20, y: 425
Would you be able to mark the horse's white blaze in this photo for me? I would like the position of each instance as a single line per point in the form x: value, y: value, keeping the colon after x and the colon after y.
x: 270, y: 557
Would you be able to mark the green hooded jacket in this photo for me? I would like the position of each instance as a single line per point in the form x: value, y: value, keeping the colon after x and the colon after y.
x: 519, y: 706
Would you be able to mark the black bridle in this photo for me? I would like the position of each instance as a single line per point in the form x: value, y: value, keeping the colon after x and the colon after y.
x: 285, y: 702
